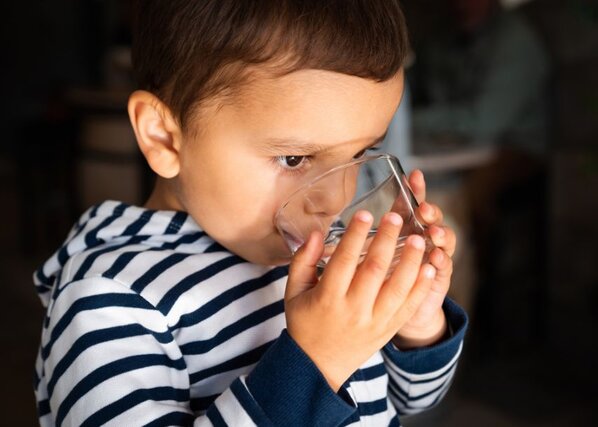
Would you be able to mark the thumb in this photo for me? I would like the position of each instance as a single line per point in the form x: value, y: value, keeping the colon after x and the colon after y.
x: 302, y: 272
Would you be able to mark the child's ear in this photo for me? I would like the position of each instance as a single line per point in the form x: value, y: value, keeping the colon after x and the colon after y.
x: 158, y: 133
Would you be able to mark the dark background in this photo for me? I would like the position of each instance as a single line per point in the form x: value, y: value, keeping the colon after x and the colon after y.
x: 530, y: 357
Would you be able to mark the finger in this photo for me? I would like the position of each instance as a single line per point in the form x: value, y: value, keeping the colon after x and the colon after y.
x: 397, y: 287
x: 439, y: 259
x: 418, y: 185
x: 443, y: 237
x: 341, y: 268
x: 302, y: 271
x: 429, y: 213
x: 373, y: 270
x: 443, y: 264
x: 418, y: 294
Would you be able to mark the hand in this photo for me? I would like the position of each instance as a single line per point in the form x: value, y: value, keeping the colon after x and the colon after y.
x: 341, y: 319
x: 428, y: 325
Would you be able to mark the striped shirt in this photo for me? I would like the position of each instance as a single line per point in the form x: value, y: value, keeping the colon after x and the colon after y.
x: 151, y: 322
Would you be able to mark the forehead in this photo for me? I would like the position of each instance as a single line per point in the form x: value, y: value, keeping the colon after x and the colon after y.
x: 314, y: 105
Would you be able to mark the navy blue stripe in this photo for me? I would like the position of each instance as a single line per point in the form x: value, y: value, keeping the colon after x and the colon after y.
x: 92, y: 303
x: 257, y: 317
x: 447, y: 369
x: 42, y: 278
x: 402, y: 397
x: 394, y: 422
x: 172, y: 419
x: 89, y: 260
x: 176, y: 223
x: 215, y: 247
x: 398, y: 393
x: 36, y: 379
x: 111, y: 370
x: 42, y: 289
x: 372, y: 372
x: 132, y: 399
x: 63, y: 254
x: 214, y: 416
x: 372, y: 408
x: 248, y: 404
x: 99, y: 336
x: 201, y: 404
x: 352, y: 419
x: 428, y: 393
x: 124, y: 259
x: 136, y: 226
x: 43, y: 407
x: 121, y: 262
x: 436, y: 399
x: 55, y: 292
x: 151, y: 274
x: 229, y: 296
x: 185, y: 239
x: 91, y: 237
x: 245, y: 359
x: 193, y: 279
x: 86, y: 265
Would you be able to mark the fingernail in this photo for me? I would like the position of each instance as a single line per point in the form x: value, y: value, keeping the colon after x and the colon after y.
x: 440, y: 231
x: 417, y: 242
x: 394, y: 218
x: 364, y: 216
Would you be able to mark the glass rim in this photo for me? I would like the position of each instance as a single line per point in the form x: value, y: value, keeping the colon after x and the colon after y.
x: 364, y: 159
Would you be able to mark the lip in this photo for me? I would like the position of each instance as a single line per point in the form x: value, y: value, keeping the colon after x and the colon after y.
x: 292, y: 241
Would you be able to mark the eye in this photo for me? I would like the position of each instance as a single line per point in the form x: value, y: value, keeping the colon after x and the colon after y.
x: 360, y: 154
x: 365, y: 151
x: 290, y: 162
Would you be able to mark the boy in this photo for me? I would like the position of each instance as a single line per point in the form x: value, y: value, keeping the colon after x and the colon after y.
x: 182, y: 311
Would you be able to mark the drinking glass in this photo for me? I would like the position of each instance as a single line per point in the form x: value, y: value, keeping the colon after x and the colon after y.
x: 327, y: 203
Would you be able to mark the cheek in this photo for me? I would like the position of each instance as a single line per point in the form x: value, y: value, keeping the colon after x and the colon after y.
x: 234, y: 199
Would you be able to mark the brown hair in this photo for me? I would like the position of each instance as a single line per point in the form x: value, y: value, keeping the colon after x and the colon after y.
x: 188, y: 51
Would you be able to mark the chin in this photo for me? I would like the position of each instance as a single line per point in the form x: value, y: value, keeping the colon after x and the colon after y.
x: 267, y: 254
x: 270, y: 259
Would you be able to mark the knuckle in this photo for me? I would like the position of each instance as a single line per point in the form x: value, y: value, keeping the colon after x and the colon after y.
x: 359, y: 320
x: 399, y: 293
x: 385, y: 234
x: 344, y: 258
x: 375, y: 265
x: 412, y: 259
x: 411, y: 306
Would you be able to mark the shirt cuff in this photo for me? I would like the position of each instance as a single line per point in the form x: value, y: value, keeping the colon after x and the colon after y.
x: 429, y: 359
x: 291, y: 390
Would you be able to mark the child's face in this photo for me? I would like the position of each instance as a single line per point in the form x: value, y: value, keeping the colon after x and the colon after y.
x: 249, y: 155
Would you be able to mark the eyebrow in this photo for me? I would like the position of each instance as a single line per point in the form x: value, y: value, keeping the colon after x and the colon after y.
x: 303, y: 147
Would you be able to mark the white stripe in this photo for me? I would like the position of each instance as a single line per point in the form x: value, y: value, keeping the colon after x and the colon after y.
x: 232, y: 411
x: 146, y: 412
x: 117, y: 387
x: 427, y: 375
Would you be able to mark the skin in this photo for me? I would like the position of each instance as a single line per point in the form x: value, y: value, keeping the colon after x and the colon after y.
x: 246, y: 155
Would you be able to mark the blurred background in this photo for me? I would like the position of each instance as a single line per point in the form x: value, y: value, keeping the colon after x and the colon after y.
x: 500, y: 112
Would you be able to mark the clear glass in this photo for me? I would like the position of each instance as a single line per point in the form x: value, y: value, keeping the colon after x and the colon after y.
x: 327, y: 203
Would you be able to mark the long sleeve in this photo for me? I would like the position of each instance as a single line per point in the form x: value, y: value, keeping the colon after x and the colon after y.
x: 419, y: 378
x: 109, y: 357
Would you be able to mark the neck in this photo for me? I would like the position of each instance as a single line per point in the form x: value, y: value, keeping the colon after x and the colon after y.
x: 163, y: 196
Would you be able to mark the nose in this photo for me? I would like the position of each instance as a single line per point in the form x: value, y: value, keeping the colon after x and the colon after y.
x: 330, y: 195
